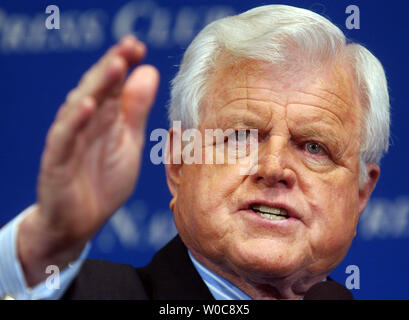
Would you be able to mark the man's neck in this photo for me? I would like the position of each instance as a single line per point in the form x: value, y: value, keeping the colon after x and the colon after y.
x: 286, y: 288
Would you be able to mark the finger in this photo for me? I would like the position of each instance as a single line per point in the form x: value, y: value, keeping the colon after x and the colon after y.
x: 106, y: 77
x: 138, y: 95
x: 98, y: 81
x: 131, y: 49
x: 61, y: 137
x: 109, y: 73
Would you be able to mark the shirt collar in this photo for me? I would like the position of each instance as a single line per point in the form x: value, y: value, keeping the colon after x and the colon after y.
x: 220, y: 288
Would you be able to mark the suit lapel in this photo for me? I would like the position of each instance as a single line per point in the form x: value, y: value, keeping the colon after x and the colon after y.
x: 171, y: 275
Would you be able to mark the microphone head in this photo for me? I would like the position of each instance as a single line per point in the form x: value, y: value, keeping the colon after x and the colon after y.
x: 328, y: 290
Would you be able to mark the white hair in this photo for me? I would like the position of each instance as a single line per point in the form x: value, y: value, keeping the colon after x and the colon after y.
x: 278, y: 34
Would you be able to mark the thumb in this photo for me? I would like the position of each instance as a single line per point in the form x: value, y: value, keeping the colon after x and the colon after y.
x: 138, y: 95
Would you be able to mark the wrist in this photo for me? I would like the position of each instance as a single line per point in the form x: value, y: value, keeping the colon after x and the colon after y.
x: 39, y: 246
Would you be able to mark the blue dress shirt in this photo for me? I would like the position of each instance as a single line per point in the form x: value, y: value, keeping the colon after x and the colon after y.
x: 12, y: 282
x: 220, y: 288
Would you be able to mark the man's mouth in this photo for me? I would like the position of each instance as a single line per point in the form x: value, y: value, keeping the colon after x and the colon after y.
x: 272, y: 213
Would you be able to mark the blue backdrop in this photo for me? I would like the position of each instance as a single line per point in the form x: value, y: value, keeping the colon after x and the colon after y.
x: 39, y: 66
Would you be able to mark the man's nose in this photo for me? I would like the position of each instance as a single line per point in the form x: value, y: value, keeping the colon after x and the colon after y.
x: 274, y: 168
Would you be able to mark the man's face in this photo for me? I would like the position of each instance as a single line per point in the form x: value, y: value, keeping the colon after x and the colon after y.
x: 308, y: 165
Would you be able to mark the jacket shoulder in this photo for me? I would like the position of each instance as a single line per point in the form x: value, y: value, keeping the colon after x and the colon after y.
x: 105, y: 280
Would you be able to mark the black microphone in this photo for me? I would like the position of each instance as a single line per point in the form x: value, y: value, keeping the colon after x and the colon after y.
x: 328, y: 290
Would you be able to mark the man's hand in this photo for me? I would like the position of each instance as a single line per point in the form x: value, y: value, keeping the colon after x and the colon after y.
x: 91, y: 159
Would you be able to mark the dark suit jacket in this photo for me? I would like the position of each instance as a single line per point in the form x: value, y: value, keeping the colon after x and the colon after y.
x: 169, y: 276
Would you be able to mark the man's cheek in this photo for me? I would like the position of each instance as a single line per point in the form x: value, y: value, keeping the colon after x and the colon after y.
x: 334, y: 237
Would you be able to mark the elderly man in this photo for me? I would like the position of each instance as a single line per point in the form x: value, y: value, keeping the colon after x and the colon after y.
x: 320, y: 108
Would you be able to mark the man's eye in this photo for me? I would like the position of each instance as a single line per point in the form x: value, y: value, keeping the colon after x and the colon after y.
x: 242, y: 138
x: 241, y: 135
x: 315, y: 148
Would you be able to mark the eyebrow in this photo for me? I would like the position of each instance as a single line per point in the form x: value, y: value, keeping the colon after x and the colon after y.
x: 238, y: 121
x: 253, y: 117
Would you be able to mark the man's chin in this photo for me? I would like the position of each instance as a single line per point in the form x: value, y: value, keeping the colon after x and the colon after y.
x: 264, y: 266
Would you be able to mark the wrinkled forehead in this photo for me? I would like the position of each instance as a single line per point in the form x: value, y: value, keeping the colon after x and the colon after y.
x: 330, y: 86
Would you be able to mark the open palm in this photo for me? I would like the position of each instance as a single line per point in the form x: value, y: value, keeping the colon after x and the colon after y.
x: 92, y: 156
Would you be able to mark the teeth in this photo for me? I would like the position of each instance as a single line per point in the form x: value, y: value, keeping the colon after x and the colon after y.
x: 272, y: 216
x: 272, y: 213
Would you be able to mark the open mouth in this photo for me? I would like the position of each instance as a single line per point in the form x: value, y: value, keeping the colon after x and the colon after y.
x: 272, y: 213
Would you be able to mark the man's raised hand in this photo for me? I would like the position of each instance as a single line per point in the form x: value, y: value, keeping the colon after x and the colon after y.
x: 91, y: 159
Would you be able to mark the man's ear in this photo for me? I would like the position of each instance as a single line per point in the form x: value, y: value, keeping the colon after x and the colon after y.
x: 367, y: 188
x: 174, y: 162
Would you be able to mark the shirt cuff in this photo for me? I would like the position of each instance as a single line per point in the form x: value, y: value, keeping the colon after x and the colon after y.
x: 12, y: 281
